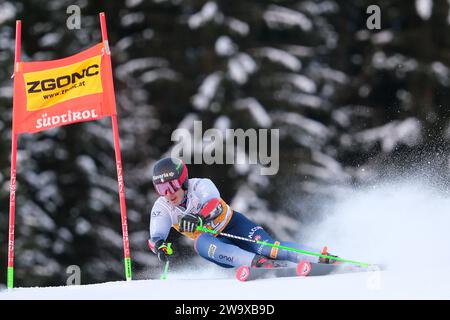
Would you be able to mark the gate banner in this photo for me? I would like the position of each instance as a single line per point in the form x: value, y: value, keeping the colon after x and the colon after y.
x: 49, y: 94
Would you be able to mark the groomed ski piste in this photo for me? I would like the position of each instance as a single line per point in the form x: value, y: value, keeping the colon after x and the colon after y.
x: 403, y: 226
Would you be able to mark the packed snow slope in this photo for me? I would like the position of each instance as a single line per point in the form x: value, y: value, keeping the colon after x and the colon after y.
x: 404, y: 226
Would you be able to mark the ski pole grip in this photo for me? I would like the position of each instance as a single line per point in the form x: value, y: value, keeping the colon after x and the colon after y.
x: 169, y: 249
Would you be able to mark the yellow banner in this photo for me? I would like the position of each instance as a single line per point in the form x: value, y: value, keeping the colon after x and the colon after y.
x: 49, y: 87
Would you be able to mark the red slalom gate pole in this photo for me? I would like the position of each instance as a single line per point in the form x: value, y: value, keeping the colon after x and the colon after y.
x: 120, y: 182
x: 12, y: 186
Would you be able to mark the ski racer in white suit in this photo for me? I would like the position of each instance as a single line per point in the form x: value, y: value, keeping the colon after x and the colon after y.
x: 184, y: 204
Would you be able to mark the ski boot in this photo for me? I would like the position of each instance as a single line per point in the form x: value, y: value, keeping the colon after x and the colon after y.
x: 260, y: 261
x: 327, y: 260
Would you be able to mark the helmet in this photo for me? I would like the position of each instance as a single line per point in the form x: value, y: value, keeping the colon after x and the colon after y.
x: 169, y: 175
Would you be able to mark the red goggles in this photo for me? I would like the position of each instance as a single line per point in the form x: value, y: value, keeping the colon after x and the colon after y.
x: 168, y: 187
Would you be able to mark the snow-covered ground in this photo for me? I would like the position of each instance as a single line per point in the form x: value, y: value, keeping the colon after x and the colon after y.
x: 417, y: 282
x: 402, y: 225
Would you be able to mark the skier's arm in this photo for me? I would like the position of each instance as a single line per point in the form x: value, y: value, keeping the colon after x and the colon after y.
x: 207, y: 206
x: 160, y: 224
x: 209, y: 197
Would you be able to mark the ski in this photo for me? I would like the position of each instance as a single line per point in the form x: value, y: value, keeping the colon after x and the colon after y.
x: 303, y: 269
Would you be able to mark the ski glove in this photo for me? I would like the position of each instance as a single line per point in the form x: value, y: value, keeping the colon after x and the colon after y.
x: 189, y: 222
x: 163, y: 250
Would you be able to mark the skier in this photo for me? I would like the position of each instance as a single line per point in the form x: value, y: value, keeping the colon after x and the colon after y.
x: 185, y: 204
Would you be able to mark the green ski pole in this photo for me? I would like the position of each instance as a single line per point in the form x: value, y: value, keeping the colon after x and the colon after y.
x: 169, y: 252
x: 363, y: 264
x: 165, y: 271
